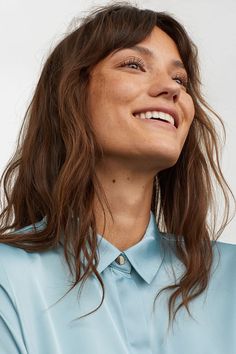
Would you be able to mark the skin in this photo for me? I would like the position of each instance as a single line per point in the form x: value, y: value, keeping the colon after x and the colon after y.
x: 135, y: 150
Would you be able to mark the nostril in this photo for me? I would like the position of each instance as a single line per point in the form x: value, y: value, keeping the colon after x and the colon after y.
x: 175, y: 97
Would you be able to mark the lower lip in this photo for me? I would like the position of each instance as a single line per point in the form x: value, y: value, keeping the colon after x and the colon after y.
x: 159, y: 123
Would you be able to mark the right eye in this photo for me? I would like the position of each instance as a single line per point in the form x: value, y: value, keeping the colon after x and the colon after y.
x: 134, y: 63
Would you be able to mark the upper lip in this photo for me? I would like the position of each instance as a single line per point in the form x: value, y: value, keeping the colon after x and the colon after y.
x: 170, y: 111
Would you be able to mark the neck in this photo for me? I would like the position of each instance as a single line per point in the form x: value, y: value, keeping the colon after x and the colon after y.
x: 129, y: 197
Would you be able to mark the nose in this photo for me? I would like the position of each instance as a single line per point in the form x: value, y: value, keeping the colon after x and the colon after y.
x: 166, y: 87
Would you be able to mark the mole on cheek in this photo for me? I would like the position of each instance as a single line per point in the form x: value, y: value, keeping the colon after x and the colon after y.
x: 113, y: 181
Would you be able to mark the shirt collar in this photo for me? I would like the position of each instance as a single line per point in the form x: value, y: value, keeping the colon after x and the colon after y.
x: 145, y: 256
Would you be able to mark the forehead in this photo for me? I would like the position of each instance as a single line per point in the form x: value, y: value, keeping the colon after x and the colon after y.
x: 157, y: 46
x: 159, y: 42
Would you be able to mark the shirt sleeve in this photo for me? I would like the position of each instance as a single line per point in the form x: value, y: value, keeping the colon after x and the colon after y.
x: 11, y: 336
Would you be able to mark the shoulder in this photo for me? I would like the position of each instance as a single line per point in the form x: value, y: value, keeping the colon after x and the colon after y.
x: 19, y: 267
x: 31, y: 280
x: 16, y: 258
x: 224, y: 264
x: 224, y: 257
x: 10, y: 254
x: 226, y: 251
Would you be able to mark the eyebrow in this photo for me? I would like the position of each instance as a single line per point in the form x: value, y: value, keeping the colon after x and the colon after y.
x: 147, y: 52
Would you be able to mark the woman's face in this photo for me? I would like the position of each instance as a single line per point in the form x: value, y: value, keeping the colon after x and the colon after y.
x: 148, y: 77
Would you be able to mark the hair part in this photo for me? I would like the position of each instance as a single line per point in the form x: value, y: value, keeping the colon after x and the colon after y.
x: 52, y: 172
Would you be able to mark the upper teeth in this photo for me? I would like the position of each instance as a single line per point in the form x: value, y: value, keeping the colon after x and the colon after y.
x: 156, y: 114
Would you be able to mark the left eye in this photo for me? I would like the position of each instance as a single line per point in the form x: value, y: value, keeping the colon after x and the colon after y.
x: 181, y: 80
x: 177, y: 79
x: 134, y: 65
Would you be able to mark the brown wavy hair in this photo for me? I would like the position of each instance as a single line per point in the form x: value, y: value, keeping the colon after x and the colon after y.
x: 52, y: 172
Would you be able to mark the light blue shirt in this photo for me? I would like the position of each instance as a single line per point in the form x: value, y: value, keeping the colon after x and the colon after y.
x: 32, y: 322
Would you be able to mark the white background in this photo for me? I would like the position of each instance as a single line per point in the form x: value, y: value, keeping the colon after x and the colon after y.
x: 29, y: 28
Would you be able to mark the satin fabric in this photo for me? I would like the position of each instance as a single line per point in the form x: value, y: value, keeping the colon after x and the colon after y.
x: 36, y: 317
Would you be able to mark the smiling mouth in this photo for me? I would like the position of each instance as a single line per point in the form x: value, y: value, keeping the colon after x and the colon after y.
x: 156, y: 116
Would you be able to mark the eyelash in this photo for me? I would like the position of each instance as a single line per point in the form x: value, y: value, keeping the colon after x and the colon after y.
x: 183, y: 78
x: 139, y: 62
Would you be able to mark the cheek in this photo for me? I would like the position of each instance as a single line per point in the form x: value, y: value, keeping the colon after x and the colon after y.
x: 106, y: 99
x: 191, y: 108
x: 188, y: 107
x: 113, y: 89
x: 188, y: 112
x: 120, y: 94
x: 97, y: 86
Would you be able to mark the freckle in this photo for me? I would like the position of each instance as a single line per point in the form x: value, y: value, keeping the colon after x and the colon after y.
x: 113, y: 181
x: 128, y: 178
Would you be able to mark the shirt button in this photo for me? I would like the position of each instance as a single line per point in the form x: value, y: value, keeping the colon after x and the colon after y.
x: 120, y: 260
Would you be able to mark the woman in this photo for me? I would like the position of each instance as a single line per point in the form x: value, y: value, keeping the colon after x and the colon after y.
x: 119, y: 144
